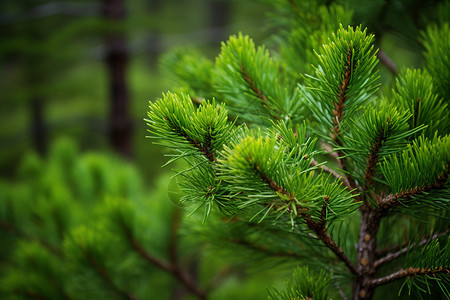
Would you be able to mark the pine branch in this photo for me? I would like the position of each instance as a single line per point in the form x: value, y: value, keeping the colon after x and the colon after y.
x: 329, y: 150
x: 325, y: 169
x: 204, y: 149
x: 321, y: 231
x: 342, y: 97
x: 104, y: 275
x: 46, y: 244
x: 393, y: 253
x: 197, y: 100
x: 393, y: 201
x: 173, y: 269
x: 249, y: 80
x: 372, y: 160
x: 258, y: 92
x: 338, y: 112
x: 387, y: 61
x: 407, y: 273
x: 273, y: 185
x: 317, y: 226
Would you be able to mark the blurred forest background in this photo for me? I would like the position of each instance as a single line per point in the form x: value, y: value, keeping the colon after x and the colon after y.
x: 84, y: 71
x: 87, y: 69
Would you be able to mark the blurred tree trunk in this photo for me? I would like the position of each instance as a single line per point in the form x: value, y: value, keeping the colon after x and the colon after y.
x: 116, y: 58
x: 38, y: 130
x: 219, y: 11
x: 34, y: 65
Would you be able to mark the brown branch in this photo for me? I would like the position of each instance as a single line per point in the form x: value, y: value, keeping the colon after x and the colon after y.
x: 170, y: 268
x: 342, y: 97
x: 321, y: 232
x: 372, y: 159
x: 338, y: 115
x: 387, y: 61
x: 252, y: 84
x: 405, y: 248
x: 392, y: 201
x: 104, y: 275
x: 318, y: 227
x: 272, y: 184
x: 255, y: 89
x: 407, y: 273
x: 197, y: 100
x: 46, y: 244
x: 204, y: 149
x: 330, y: 151
x: 326, y: 169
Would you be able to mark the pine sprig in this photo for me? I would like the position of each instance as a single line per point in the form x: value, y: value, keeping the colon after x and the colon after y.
x: 190, y: 132
x: 251, y: 83
x: 421, y: 165
x: 304, y: 285
x: 380, y: 131
x: 437, y: 46
x: 344, y: 80
x: 260, y: 170
x: 415, y: 93
x: 429, y: 263
x: 190, y: 68
x: 296, y: 41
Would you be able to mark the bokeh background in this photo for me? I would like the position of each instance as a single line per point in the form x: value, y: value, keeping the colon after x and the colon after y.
x: 87, y: 69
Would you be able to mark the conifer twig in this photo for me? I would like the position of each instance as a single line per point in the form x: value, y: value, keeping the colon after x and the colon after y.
x: 325, y: 169
x: 255, y: 89
x: 387, y: 61
x: 329, y: 150
x: 338, y: 115
x: 389, y: 256
x: 372, y: 160
x: 204, y: 149
x: 104, y: 275
x: 318, y: 227
x: 407, y: 273
x: 171, y: 268
x: 46, y: 244
x: 321, y: 231
x: 392, y: 200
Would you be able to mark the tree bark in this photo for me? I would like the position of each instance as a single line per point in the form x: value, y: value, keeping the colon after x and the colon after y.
x: 367, y: 244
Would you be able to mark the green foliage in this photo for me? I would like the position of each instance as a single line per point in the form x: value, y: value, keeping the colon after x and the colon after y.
x: 261, y: 170
x: 297, y: 41
x: 434, y: 255
x: 64, y: 227
x: 344, y: 80
x: 437, y: 46
x: 379, y: 128
x: 415, y: 93
x: 304, y: 285
x: 422, y: 154
x: 202, y: 132
x: 251, y: 82
x: 187, y: 64
x: 270, y: 175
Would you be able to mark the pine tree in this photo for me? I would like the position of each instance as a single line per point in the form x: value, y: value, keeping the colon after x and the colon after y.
x: 316, y: 164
